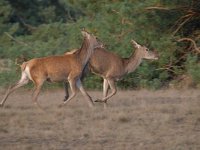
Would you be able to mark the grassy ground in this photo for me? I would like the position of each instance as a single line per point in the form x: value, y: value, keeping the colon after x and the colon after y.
x: 139, y: 120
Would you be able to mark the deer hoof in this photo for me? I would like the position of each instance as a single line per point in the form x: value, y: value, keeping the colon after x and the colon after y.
x: 99, y: 100
x: 65, y: 99
x: 1, y: 105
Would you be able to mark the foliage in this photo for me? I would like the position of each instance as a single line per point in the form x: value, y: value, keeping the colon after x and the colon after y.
x: 193, y: 68
x: 37, y: 28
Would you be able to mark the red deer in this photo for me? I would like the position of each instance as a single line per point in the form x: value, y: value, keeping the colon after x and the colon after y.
x: 112, y: 67
x: 57, y: 68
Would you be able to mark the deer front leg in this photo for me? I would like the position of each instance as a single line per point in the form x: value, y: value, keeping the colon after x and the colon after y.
x: 105, y: 88
x: 113, y: 88
x: 66, y: 91
x: 111, y: 83
x: 72, y: 84
x: 85, y: 94
x: 105, y: 91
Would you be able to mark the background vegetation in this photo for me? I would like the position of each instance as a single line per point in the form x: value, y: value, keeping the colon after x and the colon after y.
x: 37, y: 28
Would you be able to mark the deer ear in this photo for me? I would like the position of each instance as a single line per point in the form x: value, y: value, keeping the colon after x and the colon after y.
x: 99, y: 46
x: 83, y: 29
x: 85, y: 34
x: 135, y: 44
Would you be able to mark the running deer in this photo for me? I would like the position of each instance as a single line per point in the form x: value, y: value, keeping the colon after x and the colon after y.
x: 112, y: 67
x: 57, y: 68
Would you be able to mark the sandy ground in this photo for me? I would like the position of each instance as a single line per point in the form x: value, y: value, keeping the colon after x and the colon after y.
x: 134, y: 120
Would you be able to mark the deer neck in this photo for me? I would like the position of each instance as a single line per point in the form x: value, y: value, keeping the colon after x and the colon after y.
x: 85, y: 52
x: 133, y: 61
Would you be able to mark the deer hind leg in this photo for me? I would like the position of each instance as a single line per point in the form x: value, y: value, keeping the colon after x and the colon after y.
x: 66, y: 91
x: 38, y: 85
x: 23, y: 81
x: 85, y: 94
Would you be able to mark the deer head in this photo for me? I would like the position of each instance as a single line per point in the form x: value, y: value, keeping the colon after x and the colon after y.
x: 93, y: 39
x: 144, y: 51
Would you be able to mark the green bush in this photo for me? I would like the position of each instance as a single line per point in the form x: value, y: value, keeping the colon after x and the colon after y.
x: 193, y: 68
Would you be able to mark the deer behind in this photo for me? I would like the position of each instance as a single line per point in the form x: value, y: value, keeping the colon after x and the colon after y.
x: 112, y: 67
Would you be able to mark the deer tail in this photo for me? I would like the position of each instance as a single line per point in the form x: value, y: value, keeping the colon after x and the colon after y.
x: 23, y: 66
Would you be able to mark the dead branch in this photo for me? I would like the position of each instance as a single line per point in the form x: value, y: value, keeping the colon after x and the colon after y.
x: 166, y: 68
x: 115, y: 11
x: 28, y: 26
x: 157, y: 8
x: 119, y: 36
x: 185, y: 21
x: 19, y: 42
x: 192, y: 41
x: 182, y: 8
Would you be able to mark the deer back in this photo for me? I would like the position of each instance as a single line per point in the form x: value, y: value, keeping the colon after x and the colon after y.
x: 105, y: 63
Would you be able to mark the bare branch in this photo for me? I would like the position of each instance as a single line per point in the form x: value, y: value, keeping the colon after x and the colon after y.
x: 186, y: 20
x: 115, y: 11
x: 192, y: 41
x: 183, y: 8
x: 157, y: 8
x: 19, y: 42
x: 28, y: 26
x: 166, y: 68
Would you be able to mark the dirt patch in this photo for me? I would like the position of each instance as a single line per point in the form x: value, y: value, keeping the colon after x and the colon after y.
x: 142, y: 120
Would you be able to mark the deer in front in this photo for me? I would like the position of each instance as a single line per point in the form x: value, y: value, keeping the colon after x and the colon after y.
x: 112, y: 67
x: 57, y: 68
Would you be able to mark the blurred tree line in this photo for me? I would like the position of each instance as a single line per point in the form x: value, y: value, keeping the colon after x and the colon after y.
x: 38, y: 28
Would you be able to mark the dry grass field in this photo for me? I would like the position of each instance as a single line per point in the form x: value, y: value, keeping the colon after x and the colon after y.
x: 134, y: 120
